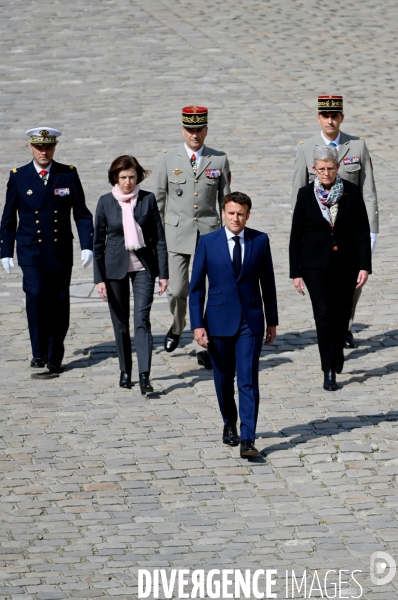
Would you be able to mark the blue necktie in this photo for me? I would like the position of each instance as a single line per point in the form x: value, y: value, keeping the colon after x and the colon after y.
x: 332, y: 144
x: 237, y: 256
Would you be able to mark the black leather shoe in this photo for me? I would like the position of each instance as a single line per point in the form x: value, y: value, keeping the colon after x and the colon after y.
x: 329, y: 381
x: 55, y: 368
x: 248, y: 449
x: 145, y: 385
x: 171, y: 340
x: 125, y: 380
x: 38, y: 363
x: 350, y: 342
x: 203, y: 359
x: 230, y: 435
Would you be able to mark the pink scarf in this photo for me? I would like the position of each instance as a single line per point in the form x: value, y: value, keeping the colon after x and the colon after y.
x: 133, y: 237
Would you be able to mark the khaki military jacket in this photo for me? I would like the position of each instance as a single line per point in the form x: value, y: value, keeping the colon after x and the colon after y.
x: 190, y: 203
x: 360, y: 173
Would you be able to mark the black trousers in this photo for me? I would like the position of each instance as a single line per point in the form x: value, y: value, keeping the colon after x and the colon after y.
x: 118, y: 291
x: 47, y: 310
x: 331, y: 291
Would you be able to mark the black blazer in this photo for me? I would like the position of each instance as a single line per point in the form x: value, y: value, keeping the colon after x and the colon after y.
x: 312, y: 238
x: 110, y: 254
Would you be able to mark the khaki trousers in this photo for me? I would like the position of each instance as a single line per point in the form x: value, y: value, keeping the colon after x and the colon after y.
x: 355, y: 299
x: 177, y: 292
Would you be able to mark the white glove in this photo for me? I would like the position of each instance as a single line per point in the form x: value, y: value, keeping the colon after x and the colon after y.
x: 373, y: 240
x: 87, y: 257
x: 7, y: 264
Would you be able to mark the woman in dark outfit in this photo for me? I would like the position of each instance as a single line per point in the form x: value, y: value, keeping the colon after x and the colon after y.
x: 129, y: 244
x: 330, y: 253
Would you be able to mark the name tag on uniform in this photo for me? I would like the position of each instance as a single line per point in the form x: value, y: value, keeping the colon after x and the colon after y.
x: 61, y: 192
x: 213, y: 173
x: 351, y: 160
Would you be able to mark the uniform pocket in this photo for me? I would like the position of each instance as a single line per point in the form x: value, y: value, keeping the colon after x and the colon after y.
x: 213, y: 221
x: 171, y: 220
x: 177, y: 180
x: 352, y: 168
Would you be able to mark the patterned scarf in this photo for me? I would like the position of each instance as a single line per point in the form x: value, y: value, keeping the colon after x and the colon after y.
x: 328, y: 200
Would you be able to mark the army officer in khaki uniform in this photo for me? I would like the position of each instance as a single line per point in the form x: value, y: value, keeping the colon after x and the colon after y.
x: 355, y: 166
x: 190, y: 182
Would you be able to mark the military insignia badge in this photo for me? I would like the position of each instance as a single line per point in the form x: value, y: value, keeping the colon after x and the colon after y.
x: 351, y: 160
x: 213, y: 173
x: 61, y: 192
x: 29, y: 192
x: 44, y: 133
x: 177, y: 172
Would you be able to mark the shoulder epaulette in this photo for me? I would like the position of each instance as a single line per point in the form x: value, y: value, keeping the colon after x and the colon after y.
x: 164, y: 150
x: 14, y: 170
x: 71, y: 167
x: 301, y: 142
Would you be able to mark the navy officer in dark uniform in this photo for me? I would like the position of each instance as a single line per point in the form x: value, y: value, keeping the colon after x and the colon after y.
x: 39, y: 200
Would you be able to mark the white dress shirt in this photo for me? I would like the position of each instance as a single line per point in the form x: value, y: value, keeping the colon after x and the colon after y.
x: 231, y: 242
x: 198, y: 153
x: 38, y: 169
x: 328, y: 142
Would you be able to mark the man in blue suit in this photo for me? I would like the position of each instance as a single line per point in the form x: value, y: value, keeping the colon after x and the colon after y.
x: 39, y: 200
x: 241, y: 287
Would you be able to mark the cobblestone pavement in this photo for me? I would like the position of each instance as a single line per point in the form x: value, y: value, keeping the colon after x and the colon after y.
x: 96, y: 481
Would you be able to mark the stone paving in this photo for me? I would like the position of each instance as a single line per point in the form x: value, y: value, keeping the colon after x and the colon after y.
x: 97, y: 482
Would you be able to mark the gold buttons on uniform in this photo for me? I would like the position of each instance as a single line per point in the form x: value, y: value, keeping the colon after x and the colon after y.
x: 37, y: 221
x: 55, y: 221
x: 195, y: 193
x: 195, y: 206
x: 36, y: 212
x: 195, y: 219
x: 39, y: 240
x: 55, y: 211
x: 38, y: 231
x: 196, y: 181
x: 56, y: 230
x: 166, y: 221
x: 55, y: 240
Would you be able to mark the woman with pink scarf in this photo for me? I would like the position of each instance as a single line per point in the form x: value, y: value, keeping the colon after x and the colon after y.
x: 129, y: 245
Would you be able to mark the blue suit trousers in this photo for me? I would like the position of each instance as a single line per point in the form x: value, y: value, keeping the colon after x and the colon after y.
x: 47, y: 310
x: 238, y: 354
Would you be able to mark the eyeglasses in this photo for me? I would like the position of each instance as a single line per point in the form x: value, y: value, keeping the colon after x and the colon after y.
x: 326, y: 170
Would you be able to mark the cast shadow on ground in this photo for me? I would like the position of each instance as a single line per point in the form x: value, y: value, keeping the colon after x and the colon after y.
x: 318, y: 428
x: 97, y: 353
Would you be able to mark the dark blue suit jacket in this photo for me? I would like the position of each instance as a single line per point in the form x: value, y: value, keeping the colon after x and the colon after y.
x: 229, y: 296
x: 44, y: 232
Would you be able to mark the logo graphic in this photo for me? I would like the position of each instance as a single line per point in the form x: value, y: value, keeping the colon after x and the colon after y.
x: 380, y: 562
